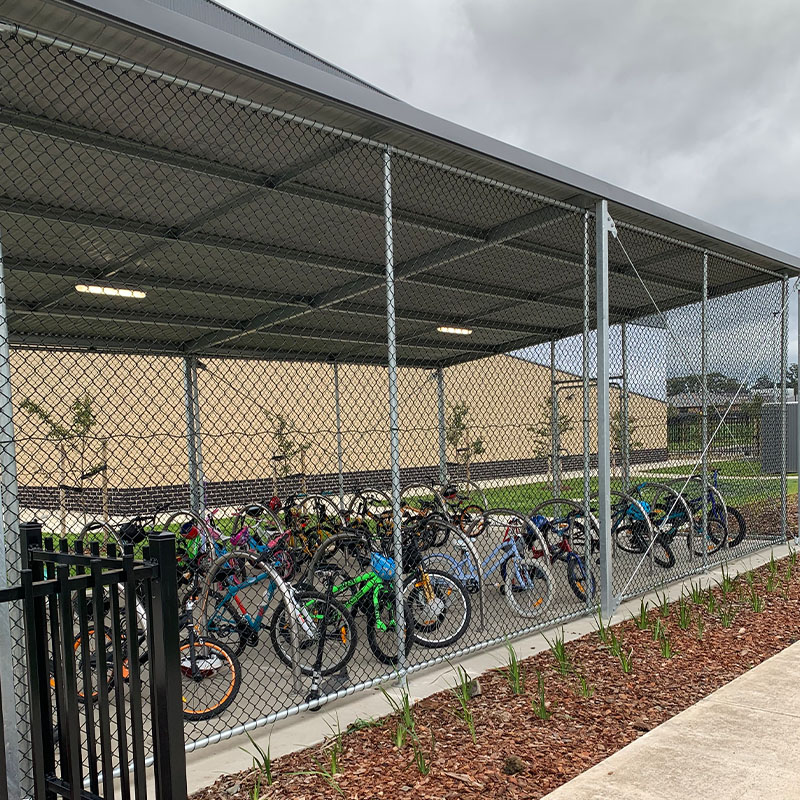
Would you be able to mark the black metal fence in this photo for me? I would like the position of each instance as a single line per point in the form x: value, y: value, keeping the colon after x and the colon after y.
x: 101, y: 644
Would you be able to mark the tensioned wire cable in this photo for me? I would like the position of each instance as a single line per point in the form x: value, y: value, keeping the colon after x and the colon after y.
x: 723, y: 416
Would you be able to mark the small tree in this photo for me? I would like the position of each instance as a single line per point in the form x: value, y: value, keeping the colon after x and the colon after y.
x: 457, y: 435
x: 543, y: 432
x: 72, y: 438
x: 618, y: 443
x: 285, y: 441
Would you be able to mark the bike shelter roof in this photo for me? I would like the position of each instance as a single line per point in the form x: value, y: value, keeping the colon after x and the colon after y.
x: 274, y: 246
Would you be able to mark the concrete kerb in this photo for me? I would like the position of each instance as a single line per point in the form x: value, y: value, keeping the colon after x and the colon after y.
x: 307, y: 728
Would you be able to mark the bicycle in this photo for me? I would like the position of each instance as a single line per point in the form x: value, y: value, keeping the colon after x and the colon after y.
x: 527, y: 584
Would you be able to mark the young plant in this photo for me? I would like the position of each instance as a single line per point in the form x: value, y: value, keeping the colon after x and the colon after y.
x: 462, y: 691
x: 335, y: 747
x: 515, y: 673
x: 603, y: 630
x: 326, y: 775
x: 772, y: 567
x: 658, y: 630
x: 726, y: 615
x: 666, y: 647
x: 684, y: 613
x: 559, y: 650
x: 586, y: 689
x: 663, y: 604
x: 701, y: 626
x: 696, y: 592
x: 361, y: 724
x: 769, y: 584
x: 262, y: 761
x: 420, y: 760
x: 406, y: 725
x: 756, y: 600
x: 792, y: 557
x: 626, y: 660
x: 726, y: 583
x: 711, y: 601
x: 641, y: 619
x: 749, y: 578
x: 539, y: 705
x: 256, y: 793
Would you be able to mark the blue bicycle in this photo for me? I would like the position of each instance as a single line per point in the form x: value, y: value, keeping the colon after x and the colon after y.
x: 526, y: 580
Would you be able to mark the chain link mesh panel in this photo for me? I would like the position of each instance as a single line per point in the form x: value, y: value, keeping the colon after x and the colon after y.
x: 196, y: 301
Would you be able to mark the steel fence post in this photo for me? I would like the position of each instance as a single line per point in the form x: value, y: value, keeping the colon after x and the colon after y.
x: 442, y: 423
x: 784, y: 340
x: 193, y: 446
x: 555, y: 443
x: 165, y: 672
x: 16, y: 726
x: 704, y: 419
x: 394, y: 415
x: 587, y: 487
x: 797, y: 420
x: 339, y: 454
x: 603, y: 420
x: 625, y: 421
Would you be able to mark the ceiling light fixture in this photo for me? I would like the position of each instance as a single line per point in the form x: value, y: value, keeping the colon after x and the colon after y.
x: 454, y: 331
x: 110, y: 291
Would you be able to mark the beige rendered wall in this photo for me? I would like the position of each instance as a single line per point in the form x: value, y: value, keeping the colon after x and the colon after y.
x: 138, y: 403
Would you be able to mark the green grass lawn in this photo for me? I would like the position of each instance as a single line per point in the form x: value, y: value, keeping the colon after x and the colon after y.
x: 738, y: 467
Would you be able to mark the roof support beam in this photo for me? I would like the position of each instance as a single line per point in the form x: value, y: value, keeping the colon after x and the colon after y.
x: 433, y: 258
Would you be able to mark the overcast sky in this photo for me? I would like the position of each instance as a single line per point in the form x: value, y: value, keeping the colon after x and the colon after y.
x: 693, y: 103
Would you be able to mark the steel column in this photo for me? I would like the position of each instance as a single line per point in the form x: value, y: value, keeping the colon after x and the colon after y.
x: 394, y: 413
x: 14, y: 729
x: 603, y: 404
x: 339, y: 456
x: 625, y: 421
x: 587, y: 488
x: 784, y: 341
x: 555, y: 439
x: 193, y: 435
x: 443, y: 477
x: 704, y: 420
x: 797, y: 412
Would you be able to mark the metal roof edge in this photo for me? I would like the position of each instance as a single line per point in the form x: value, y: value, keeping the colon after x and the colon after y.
x: 191, y: 34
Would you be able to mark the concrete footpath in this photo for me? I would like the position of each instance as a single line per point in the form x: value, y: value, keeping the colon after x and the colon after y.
x: 742, y: 742
x: 307, y: 728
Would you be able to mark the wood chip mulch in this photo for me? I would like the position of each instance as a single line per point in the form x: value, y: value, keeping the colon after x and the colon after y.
x: 519, y: 755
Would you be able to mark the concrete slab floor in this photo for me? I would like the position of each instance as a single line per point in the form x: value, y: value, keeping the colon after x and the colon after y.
x: 204, y: 766
x: 739, y: 743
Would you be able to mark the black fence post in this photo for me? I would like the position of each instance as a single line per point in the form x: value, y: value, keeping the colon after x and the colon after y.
x: 165, y: 675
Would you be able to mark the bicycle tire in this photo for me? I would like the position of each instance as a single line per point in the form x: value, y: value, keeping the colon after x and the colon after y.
x: 535, y: 571
x: 213, y: 659
x: 428, y: 615
x: 741, y: 527
x: 628, y: 540
x: 345, y: 631
x: 714, y: 539
x: 579, y: 578
x: 233, y: 628
x: 384, y: 654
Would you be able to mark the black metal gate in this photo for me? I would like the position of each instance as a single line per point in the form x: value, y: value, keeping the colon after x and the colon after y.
x: 102, y: 648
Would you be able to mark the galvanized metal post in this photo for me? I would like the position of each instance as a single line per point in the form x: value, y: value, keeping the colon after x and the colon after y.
x: 394, y: 413
x: 704, y: 420
x: 15, y: 729
x: 555, y: 443
x: 625, y: 421
x: 603, y: 404
x: 193, y: 438
x: 587, y: 488
x: 797, y: 419
x: 339, y: 456
x: 443, y: 477
x: 784, y: 341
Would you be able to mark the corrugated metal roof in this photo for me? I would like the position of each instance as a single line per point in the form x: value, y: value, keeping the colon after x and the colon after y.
x: 225, y: 19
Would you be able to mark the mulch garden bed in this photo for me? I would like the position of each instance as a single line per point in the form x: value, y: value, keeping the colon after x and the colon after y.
x: 616, y: 684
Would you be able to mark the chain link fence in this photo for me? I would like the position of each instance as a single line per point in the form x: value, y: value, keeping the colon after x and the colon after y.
x: 195, y: 317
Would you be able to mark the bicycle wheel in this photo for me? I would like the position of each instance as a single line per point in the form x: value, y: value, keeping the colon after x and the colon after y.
x: 737, y: 527
x: 210, y: 678
x: 527, y: 585
x: 628, y: 539
x: 440, y: 608
x: 312, y: 617
x: 382, y: 627
x: 580, y: 578
x: 714, y: 538
x: 226, y: 623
